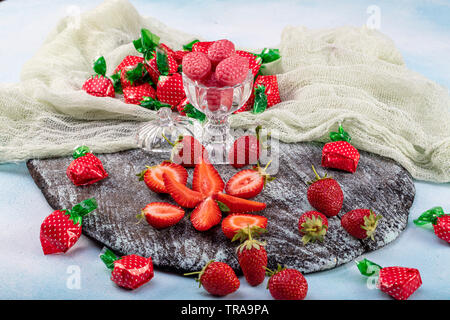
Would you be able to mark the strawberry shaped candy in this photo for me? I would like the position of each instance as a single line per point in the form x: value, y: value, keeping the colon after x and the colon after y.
x: 167, y: 50
x: 86, y: 168
x: 202, y: 46
x: 218, y: 278
x: 136, y: 94
x: 187, y: 151
x: 265, y: 95
x: 287, y: 284
x: 133, y: 75
x: 128, y: 61
x: 398, y: 282
x: 235, y: 222
x: 170, y: 89
x: 313, y: 226
x: 62, y: 229
x: 254, y: 61
x: 252, y: 255
x: 232, y: 70
x: 153, y: 176
x: 245, y: 150
x: 220, y: 50
x: 340, y: 154
x: 360, y: 223
x: 99, y: 85
x: 196, y: 65
x: 129, y: 272
x: 179, y: 55
x: 325, y: 195
x: 439, y: 220
x: 161, y: 65
x: 161, y: 215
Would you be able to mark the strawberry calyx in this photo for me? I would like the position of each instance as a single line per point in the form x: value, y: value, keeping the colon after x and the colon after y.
x: 370, y: 224
x: 263, y: 172
x: 146, y: 44
x: 250, y: 243
x: 80, y: 152
x: 313, y: 229
x: 318, y: 177
x: 80, y: 210
x: 108, y: 257
x: 153, y: 104
x: 222, y: 206
x: 188, y: 46
x: 200, y: 273
x: 271, y: 273
x: 341, y: 135
x: 430, y: 216
x: 368, y: 268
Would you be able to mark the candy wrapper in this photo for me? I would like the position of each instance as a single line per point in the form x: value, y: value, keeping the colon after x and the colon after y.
x: 340, y: 154
x: 62, y: 229
x: 398, y: 282
x: 130, y: 271
x: 86, y: 168
x: 439, y: 220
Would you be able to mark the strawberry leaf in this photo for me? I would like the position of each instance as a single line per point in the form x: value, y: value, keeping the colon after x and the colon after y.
x: 188, y: 47
x: 100, y: 66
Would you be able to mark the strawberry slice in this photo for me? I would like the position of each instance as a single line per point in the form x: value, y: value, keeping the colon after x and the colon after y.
x: 161, y: 214
x: 206, y: 179
x: 248, y: 183
x: 238, y: 205
x: 206, y: 215
x: 235, y: 222
x: 182, y: 195
x: 153, y: 176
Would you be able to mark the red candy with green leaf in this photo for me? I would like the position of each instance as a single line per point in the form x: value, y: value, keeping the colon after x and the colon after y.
x: 62, y: 229
x: 99, y: 85
x: 265, y: 95
x: 129, y: 272
x: 438, y: 219
x: 340, y: 154
x: 86, y: 168
x: 398, y: 282
x: 135, y: 94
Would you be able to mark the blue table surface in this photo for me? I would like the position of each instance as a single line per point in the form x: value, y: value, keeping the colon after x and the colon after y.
x: 420, y: 29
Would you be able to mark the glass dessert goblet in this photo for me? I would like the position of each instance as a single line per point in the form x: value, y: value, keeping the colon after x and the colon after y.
x: 217, y: 103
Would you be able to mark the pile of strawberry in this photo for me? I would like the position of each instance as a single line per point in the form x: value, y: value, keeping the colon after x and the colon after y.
x: 153, y: 78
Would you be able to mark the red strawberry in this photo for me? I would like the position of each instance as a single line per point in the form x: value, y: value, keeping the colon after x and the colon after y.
x: 287, y: 284
x: 196, y: 65
x: 246, y: 150
x: 218, y: 278
x: 202, y: 46
x: 153, y: 176
x: 220, y: 50
x: 62, y: 229
x: 340, y: 154
x: 86, y: 168
x: 136, y: 94
x: 325, y: 195
x: 252, y: 255
x: 182, y: 195
x: 206, y: 215
x: 178, y: 55
x: 313, y: 226
x: 188, y: 151
x: 398, y: 282
x: 239, y: 221
x: 130, y: 271
x: 161, y: 64
x: 265, y: 95
x: 170, y: 89
x: 161, y: 214
x: 239, y: 205
x: 206, y: 179
x: 129, y: 61
x: 439, y: 220
x: 360, y: 223
x: 253, y: 60
x: 248, y: 183
x: 99, y: 85
x: 232, y: 70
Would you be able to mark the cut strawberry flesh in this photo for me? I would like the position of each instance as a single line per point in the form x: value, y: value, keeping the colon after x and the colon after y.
x: 245, y: 184
x: 182, y: 195
x: 154, y: 176
x: 162, y: 215
x: 206, y: 179
x: 239, y: 205
x: 206, y: 215
x: 234, y: 222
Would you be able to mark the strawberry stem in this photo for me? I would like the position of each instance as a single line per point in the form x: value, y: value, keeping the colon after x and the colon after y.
x: 317, y: 176
x: 108, y: 258
x: 168, y: 141
x: 200, y: 273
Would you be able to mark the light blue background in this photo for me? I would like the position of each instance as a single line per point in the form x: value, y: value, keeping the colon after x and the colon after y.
x: 420, y: 29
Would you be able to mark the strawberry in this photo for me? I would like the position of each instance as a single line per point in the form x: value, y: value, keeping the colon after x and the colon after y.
x: 287, y: 284
x: 439, y: 220
x: 254, y: 61
x: 187, y: 151
x: 99, y: 85
x: 220, y: 50
x: 360, y: 223
x: 153, y: 176
x: 206, y: 179
x: 170, y: 89
x: 313, y: 226
x: 136, y: 94
x: 206, y: 215
x: 246, y: 150
x: 252, y: 256
x: 161, y: 214
x: 130, y: 271
x: 161, y: 64
x: 239, y: 221
x: 86, y: 168
x: 129, y: 61
x: 232, y: 70
x: 248, y: 183
x: 182, y: 195
x: 62, y: 228
x: 238, y: 205
x: 218, y: 278
x: 265, y: 95
x: 340, y: 154
x: 325, y: 195
x: 202, y: 46
x: 398, y: 282
x: 196, y: 65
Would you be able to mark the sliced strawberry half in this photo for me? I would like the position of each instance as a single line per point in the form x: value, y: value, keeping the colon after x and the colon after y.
x: 206, y: 179
x: 239, y: 205
x: 206, y: 215
x: 182, y: 195
x: 235, y: 222
x: 161, y: 214
x: 153, y: 176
